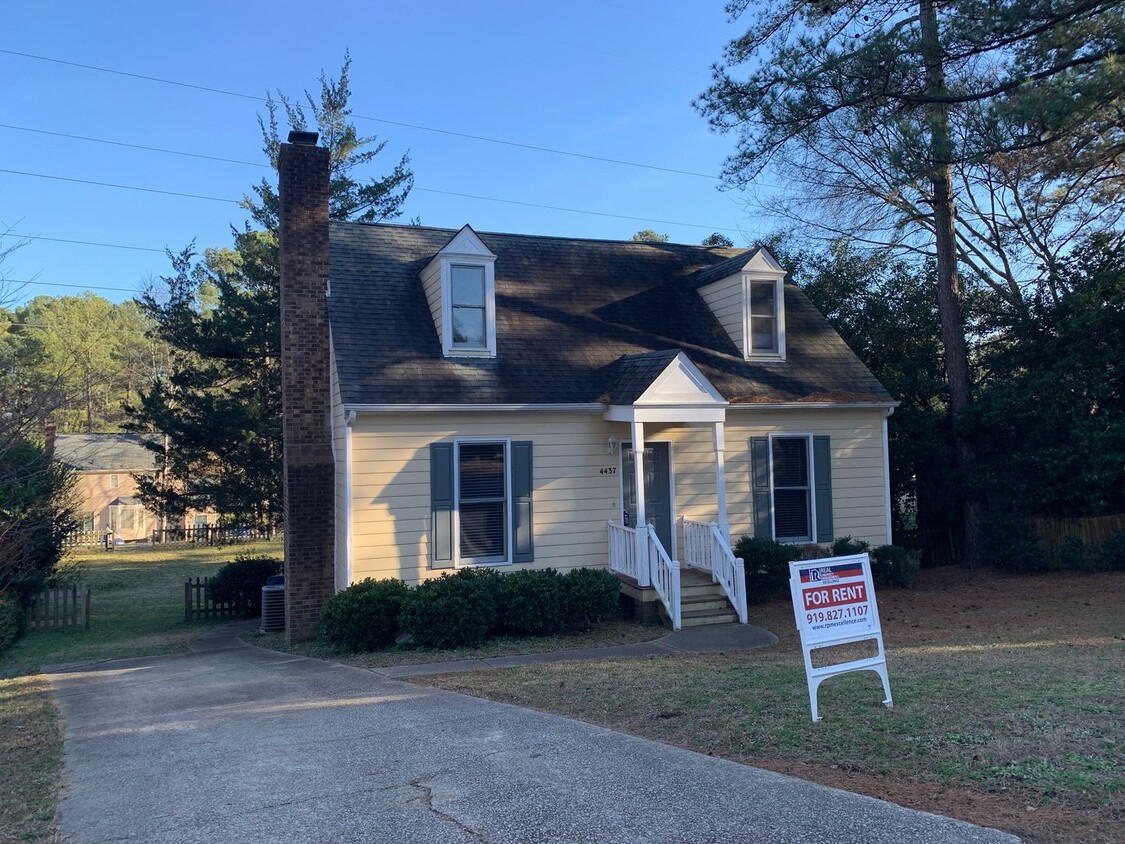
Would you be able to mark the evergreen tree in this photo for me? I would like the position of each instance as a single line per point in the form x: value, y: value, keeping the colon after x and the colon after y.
x: 872, y: 105
x: 219, y: 403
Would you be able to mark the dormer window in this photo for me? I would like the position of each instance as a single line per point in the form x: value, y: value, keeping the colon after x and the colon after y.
x: 469, y: 304
x: 762, y: 314
x: 747, y: 296
x: 460, y: 286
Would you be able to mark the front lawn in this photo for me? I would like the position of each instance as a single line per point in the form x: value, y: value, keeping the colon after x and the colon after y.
x: 1008, y: 703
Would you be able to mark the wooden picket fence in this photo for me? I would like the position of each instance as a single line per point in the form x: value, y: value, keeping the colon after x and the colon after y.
x: 1093, y: 530
x: 60, y: 606
x: 198, y: 602
x: 213, y: 535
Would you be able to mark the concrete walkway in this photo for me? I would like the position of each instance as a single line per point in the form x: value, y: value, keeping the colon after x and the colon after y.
x: 236, y: 744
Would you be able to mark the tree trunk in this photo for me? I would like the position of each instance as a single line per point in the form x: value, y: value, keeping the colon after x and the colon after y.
x: 948, y: 285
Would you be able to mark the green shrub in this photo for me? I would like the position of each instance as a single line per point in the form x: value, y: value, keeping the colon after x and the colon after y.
x: 767, y: 566
x: 892, y: 565
x: 12, y: 620
x: 531, y: 603
x: 1073, y: 554
x: 1014, y: 547
x: 1113, y: 552
x: 365, y: 616
x: 845, y: 546
x: 452, y: 610
x: 240, y: 583
x: 590, y: 595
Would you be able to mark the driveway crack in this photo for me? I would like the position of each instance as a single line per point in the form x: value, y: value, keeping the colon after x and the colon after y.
x: 426, y: 800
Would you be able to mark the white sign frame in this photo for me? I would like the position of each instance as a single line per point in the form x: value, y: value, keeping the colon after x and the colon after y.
x: 858, y: 620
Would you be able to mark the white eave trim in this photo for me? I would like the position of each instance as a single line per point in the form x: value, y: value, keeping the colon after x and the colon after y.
x: 589, y: 407
x: 814, y: 405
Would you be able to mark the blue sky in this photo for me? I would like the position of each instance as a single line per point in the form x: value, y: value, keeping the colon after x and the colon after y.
x: 606, y: 79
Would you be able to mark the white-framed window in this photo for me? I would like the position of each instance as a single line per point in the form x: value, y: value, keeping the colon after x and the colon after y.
x: 113, y: 481
x: 469, y: 306
x: 764, y: 309
x: 792, y: 483
x: 482, y: 505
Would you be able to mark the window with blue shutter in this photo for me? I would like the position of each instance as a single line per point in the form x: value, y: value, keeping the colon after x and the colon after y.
x: 791, y: 485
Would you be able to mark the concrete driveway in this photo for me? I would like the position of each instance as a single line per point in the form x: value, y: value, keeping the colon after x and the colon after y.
x: 232, y: 743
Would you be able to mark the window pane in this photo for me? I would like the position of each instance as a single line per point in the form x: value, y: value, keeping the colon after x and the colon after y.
x: 762, y: 295
x: 468, y: 326
x: 790, y: 461
x: 762, y: 334
x: 482, y: 529
x: 791, y: 514
x: 468, y: 285
x: 482, y: 471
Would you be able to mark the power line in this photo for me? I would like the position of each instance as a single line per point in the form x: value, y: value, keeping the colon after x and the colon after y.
x: 133, y: 146
x: 120, y: 187
x: 420, y: 189
x: 400, y: 123
x: 62, y: 284
x: 86, y: 242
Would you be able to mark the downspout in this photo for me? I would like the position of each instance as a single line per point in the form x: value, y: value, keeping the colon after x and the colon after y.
x: 887, y: 473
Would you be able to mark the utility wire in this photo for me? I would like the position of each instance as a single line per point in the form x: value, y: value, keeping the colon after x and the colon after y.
x: 85, y: 242
x: 61, y: 284
x: 400, y: 123
x: 420, y: 189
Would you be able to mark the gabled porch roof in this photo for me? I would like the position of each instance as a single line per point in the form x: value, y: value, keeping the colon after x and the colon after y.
x: 663, y: 386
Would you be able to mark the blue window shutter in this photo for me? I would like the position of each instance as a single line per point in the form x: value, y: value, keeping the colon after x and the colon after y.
x: 523, y: 540
x: 822, y: 474
x: 441, y: 505
x: 760, y: 486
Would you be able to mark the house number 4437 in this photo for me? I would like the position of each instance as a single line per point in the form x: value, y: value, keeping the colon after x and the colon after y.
x: 608, y: 470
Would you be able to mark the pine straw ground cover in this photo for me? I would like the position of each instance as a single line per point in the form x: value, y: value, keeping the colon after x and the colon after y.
x: 1008, y: 703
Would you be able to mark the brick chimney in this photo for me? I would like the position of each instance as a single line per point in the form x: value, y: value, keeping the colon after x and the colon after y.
x: 303, y: 170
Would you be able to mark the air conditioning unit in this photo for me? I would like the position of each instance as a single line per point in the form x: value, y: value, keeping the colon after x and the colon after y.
x: 273, y: 608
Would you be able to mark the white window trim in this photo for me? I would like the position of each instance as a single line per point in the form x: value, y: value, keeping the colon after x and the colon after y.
x: 113, y: 481
x: 779, y: 298
x: 812, y: 487
x: 473, y: 563
x: 448, y: 261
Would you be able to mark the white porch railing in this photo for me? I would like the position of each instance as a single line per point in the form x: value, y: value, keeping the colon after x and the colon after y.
x: 665, y: 574
x: 623, y: 555
x: 706, y: 548
x: 639, y: 554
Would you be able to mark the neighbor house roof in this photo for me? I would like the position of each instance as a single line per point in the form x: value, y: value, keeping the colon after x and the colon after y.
x: 566, y: 311
x: 104, y: 452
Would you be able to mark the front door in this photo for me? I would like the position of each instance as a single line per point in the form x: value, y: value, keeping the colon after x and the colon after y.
x: 658, y: 490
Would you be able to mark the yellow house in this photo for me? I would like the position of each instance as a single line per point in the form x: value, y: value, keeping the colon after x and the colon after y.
x: 524, y: 402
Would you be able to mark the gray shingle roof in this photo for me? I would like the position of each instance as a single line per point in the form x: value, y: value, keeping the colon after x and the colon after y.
x: 628, y: 377
x: 566, y: 310
x: 104, y: 452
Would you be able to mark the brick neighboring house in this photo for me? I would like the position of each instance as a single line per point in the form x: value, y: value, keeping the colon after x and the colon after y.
x: 106, y: 488
x: 454, y: 399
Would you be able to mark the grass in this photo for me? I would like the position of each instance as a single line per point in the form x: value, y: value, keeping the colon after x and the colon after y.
x: 136, y: 605
x: 136, y: 609
x: 602, y: 636
x: 1008, y: 703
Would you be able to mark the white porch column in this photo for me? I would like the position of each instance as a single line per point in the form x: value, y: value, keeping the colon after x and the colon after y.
x: 719, y: 439
x: 638, y: 432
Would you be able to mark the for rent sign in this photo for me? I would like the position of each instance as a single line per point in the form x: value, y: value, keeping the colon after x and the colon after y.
x: 834, y: 604
x: 835, y: 600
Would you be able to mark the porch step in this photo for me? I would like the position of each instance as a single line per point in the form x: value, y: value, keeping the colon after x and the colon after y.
x: 698, y: 618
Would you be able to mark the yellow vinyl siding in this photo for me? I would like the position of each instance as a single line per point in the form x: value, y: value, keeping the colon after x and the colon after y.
x: 390, y: 512
x: 391, y: 486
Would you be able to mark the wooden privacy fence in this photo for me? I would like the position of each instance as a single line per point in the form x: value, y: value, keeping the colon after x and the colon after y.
x: 60, y: 606
x: 1093, y: 530
x: 198, y: 602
